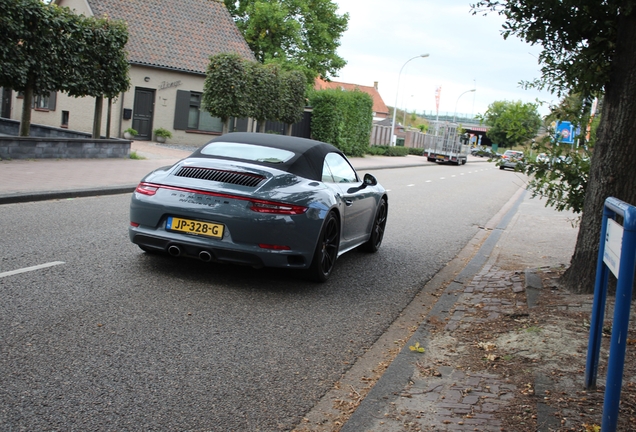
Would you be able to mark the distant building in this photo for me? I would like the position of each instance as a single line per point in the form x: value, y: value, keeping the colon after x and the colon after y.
x: 380, y: 110
x: 169, y: 46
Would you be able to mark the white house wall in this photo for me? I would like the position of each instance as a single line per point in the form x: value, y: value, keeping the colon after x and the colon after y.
x: 165, y: 85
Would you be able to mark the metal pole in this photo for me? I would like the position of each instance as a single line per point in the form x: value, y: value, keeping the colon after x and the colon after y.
x: 598, y: 308
x: 620, y: 325
x: 397, y: 91
x: 467, y: 91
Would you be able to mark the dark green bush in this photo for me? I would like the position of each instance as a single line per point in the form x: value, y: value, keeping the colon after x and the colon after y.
x: 376, y: 150
x: 397, y: 151
x: 342, y: 118
x: 388, y: 151
x: 416, y: 151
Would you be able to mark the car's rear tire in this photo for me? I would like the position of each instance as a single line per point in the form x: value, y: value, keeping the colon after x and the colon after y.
x: 501, y: 167
x: 326, y: 251
x: 377, y: 231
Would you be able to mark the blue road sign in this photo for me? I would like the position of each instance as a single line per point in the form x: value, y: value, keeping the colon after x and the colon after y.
x: 565, y: 132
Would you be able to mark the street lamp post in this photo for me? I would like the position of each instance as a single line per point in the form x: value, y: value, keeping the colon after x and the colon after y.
x: 397, y: 91
x: 467, y: 91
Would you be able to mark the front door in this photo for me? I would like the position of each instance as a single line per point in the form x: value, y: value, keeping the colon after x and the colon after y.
x: 6, y: 103
x: 142, y: 113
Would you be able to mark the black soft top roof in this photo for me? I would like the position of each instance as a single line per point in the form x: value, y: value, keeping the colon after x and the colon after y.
x: 309, y: 155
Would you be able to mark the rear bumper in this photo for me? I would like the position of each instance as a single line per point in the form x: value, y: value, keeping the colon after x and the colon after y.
x: 192, y: 247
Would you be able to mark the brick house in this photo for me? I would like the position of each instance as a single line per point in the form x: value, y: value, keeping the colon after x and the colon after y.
x: 380, y: 110
x: 169, y: 45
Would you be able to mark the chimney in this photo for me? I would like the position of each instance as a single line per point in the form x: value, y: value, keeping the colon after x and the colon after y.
x: 375, y: 84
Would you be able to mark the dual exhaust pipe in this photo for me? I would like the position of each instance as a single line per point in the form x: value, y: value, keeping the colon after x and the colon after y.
x: 175, y: 251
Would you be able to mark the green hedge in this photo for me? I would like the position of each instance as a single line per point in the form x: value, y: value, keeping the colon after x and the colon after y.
x: 342, y: 118
x: 389, y: 151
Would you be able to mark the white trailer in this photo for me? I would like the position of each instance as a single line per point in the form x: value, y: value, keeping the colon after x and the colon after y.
x: 446, y: 145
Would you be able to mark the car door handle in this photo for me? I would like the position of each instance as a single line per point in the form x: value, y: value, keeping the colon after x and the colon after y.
x: 348, y: 202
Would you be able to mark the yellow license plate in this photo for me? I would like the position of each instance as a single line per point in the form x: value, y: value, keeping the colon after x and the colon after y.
x: 195, y: 227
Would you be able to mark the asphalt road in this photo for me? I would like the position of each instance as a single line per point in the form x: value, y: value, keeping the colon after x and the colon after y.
x: 115, y: 339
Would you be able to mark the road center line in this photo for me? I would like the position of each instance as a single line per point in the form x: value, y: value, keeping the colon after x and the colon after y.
x: 28, y: 269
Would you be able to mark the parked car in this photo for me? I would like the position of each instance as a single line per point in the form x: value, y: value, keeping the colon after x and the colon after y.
x: 543, y: 157
x: 260, y: 200
x: 485, y: 152
x: 510, y: 159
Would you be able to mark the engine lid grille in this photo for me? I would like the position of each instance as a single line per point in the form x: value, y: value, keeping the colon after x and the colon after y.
x: 233, y: 177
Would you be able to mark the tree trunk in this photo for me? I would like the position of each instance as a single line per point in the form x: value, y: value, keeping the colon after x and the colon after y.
x: 226, y: 125
x: 288, y: 129
x: 261, y: 126
x: 25, y: 119
x: 613, y: 168
x: 108, y: 117
x: 97, y: 120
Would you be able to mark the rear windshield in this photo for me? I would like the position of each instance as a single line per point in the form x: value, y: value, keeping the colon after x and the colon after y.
x: 248, y: 152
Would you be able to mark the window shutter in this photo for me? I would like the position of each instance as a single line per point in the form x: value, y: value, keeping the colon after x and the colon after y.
x: 182, y: 107
x: 52, y: 100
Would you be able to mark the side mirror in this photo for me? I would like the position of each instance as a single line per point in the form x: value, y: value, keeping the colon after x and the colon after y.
x: 369, y: 180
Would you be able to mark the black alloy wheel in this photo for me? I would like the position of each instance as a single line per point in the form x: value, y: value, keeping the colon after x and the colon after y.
x: 326, y: 250
x: 377, y: 232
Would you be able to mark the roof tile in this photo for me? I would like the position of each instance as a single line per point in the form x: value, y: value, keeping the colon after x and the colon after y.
x: 379, y: 107
x: 175, y: 34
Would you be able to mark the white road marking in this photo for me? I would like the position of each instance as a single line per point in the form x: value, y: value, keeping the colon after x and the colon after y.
x: 428, y: 181
x: 442, y: 178
x: 453, y: 175
x: 410, y: 185
x: 28, y: 269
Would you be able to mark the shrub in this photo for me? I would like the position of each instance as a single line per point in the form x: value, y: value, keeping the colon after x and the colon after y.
x: 342, y: 118
x: 161, y: 132
x: 388, y: 151
x: 376, y: 150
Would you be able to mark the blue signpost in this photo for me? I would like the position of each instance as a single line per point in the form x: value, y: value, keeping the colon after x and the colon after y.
x: 565, y: 132
x: 617, y: 253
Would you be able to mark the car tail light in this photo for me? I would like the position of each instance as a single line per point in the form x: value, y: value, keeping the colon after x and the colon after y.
x: 146, y: 189
x: 273, y: 247
x: 276, y: 208
x: 259, y: 206
x: 134, y: 224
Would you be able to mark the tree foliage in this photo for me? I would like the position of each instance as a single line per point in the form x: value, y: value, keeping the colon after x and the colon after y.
x: 578, y: 38
x: 226, y: 88
x: 99, y: 65
x: 589, y: 47
x: 561, y: 177
x: 511, y: 123
x: 265, y: 92
x: 293, y: 101
x: 48, y: 48
x: 296, y: 34
x: 235, y: 87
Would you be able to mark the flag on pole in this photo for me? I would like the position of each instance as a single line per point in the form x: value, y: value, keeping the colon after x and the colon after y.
x: 438, y: 92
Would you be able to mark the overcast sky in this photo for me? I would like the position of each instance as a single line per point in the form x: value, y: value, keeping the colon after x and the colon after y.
x: 466, y: 51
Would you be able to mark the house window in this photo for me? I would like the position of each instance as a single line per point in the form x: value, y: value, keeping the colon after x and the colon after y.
x: 65, y: 119
x: 41, y: 102
x: 190, y: 116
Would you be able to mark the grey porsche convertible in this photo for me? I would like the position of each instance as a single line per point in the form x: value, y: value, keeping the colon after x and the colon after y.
x: 261, y: 200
